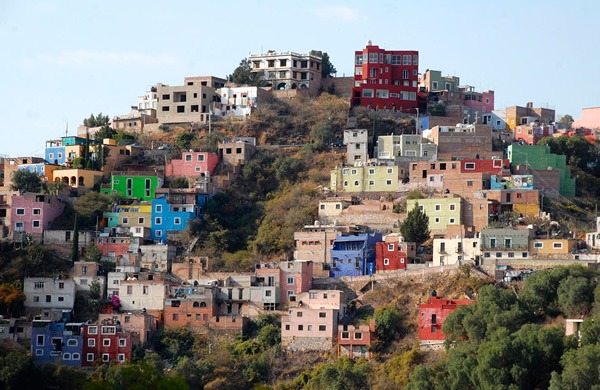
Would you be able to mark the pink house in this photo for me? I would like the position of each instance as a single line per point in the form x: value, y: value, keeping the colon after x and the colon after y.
x: 312, y: 324
x: 192, y: 164
x: 33, y: 213
x: 292, y: 277
x: 590, y: 119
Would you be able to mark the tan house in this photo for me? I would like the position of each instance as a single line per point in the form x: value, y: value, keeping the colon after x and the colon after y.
x: 188, y: 103
x: 552, y: 247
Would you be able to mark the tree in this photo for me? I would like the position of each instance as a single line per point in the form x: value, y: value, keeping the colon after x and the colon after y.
x: 95, y: 289
x: 25, y: 181
x: 566, y: 120
x: 96, y: 121
x: 327, y: 68
x: 580, y: 369
x: 389, y: 325
x: 11, y: 299
x: 243, y: 75
x: 415, y: 228
x: 321, y: 134
x: 575, y: 295
x: 105, y: 132
x: 91, y: 204
x: 184, y: 140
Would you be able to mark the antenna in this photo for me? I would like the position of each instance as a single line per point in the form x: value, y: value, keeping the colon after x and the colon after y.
x: 67, y: 130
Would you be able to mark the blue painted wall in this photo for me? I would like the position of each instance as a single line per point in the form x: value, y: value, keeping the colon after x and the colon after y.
x: 354, y: 255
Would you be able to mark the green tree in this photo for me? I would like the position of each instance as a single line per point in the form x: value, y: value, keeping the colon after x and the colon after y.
x: 96, y: 121
x: 389, y: 325
x: 25, y: 181
x: 288, y: 169
x: 437, y: 109
x: 95, y: 289
x: 184, y: 140
x: 321, y: 134
x: 344, y: 374
x: 327, y: 68
x: 566, y: 120
x: 579, y: 369
x: 91, y: 204
x: 575, y: 296
x: 105, y: 132
x: 92, y: 253
x: 415, y: 228
x: 243, y: 75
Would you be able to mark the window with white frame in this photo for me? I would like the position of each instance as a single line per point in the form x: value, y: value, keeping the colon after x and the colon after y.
x: 469, y: 166
x: 122, y: 342
x: 390, y: 247
x: 106, y: 342
x: 386, y: 261
x: 121, y: 357
x: 91, y: 342
x: 89, y: 357
x: 105, y: 357
x: 92, y: 330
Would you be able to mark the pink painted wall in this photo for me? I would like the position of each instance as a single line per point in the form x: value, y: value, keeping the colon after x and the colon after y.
x: 183, y: 167
x: 47, y: 209
x: 486, y: 105
x: 590, y: 118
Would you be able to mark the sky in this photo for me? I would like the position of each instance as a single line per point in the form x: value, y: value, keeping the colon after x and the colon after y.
x: 63, y: 60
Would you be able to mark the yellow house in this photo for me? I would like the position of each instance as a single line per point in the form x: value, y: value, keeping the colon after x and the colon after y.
x: 135, y: 215
x: 551, y: 246
x: 77, y: 178
x: 367, y: 178
x: 527, y: 209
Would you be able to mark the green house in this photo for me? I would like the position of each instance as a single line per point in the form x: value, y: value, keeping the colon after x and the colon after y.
x: 539, y: 158
x: 134, y: 185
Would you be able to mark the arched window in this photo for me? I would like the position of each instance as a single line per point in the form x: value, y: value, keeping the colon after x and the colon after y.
x: 196, y: 304
x: 202, y: 304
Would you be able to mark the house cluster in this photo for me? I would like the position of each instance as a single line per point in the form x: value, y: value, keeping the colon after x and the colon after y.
x: 475, y: 165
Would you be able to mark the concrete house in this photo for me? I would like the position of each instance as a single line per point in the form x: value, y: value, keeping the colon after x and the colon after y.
x: 357, y: 143
x: 366, y: 178
x: 505, y: 244
x: 432, y: 316
x: 355, y: 341
x: 442, y: 212
x: 57, y: 342
x: 188, y: 103
x: 456, y: 250
x: 312, y: 325
x: 314, y: 243
x: 49, y: 296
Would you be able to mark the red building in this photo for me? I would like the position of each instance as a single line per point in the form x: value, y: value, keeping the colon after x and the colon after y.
x: 432, y: 316
x: 494, y: 166
x: 390, y: 256
x: 105, y: 342
x: 386, y: 79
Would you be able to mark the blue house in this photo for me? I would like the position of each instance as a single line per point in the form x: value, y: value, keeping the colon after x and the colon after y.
x: 57, y: 342
x: 353, y: 255
x: 170, y: 218
x: 55, y: 152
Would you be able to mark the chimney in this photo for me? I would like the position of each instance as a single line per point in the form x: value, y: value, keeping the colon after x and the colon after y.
x: 530, y: 105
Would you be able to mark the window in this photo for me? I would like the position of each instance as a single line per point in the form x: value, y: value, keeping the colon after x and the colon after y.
x: 469, y: 166
x: 121, y: 357
x: 66, y: 356
x: 129, y: 290
x: 498, y: 254
x: 438, y: 207
x: 469, y: 183
x: 145, y: 290
x: 299, y: 314
x: 158, y: 208
x: 106, y: 342
x: 390, y: 170
x: 300, y: 327
x: 268, y: 293
x: 175, y: 317
x: 72, y: 342
x: 48, y: 298
x: 390, y: 247
x: 37, y: 211
x: 40, y: 340
x: 309, y: 328
x: 452, y: 207
x: 388, y: 182
x: 437, y: 219
x: 290, y: 280
x: 382, y: 93
x: 158, y: 221
x: 287, y: 326
x: 75, y: 356
x: 386, y: 261
x: 322, y: 328
x: 36, y: 299
x: 105, y: 357
x: 92, y: 330
x: 451, y: 221
x: 367, y: 93
x: 538, y: 245
x: 125, y: 220
x: 357, y: 336
x: 177, y: 221
x: 557, y: 245
x: 188, y: 157
x: 20, y: 211
x: 122, y: 342
x: 38, y: 285
x: 91, y: 342
x: 89, y: 357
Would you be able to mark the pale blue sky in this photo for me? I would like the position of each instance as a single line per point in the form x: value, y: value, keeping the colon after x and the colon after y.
x: 62, y: 60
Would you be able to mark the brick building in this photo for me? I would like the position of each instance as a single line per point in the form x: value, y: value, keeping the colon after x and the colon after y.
x: 105, y: 342
x: 355, y: 341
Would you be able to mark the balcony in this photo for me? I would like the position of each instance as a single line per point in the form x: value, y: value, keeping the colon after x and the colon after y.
x: 504, y: 248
